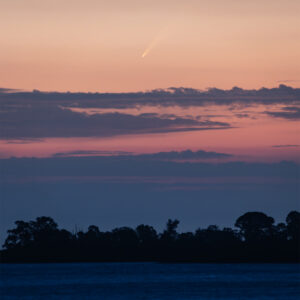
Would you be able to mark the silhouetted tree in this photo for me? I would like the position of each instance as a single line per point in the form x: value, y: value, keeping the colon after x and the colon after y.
x: 125, y: 242
x: 146, y: 234
x: 94, y: 231
x: 148, y: 238
x: 293, y: 225
x: 21, y: 236
x: 258, y: 240
x: 280, y: 232
x: 255, y: 226
x: 125, y: 235
x: 28, y: 233
x: 170, y: 232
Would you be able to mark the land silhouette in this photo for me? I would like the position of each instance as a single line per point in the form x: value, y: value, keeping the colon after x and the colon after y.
x: 256, y: 239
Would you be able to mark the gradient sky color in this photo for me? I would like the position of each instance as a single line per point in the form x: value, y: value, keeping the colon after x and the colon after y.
x: 92, y: 45
x: 253, y: 136
x: 174, y: 137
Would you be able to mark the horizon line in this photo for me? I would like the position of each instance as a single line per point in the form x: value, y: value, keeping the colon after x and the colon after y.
x: 8, y: 90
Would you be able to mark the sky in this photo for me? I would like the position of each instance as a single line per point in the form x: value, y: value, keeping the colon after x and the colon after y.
x: 117, y: 113
x: 95, y: 45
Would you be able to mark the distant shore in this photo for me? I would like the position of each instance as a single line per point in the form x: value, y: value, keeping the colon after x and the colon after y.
x: 256, y: 240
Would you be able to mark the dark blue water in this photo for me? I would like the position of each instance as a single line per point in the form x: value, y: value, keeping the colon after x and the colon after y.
x: 149, y: 281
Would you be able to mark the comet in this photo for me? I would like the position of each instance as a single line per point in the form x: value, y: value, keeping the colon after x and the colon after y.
x: 158, y: 38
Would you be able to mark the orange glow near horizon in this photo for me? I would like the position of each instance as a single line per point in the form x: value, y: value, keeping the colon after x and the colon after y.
x: 97, y: 45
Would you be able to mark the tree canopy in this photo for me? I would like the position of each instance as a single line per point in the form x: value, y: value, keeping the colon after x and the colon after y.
x: 256, y: 239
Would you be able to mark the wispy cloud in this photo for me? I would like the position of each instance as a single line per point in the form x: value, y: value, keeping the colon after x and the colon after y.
x: 285, y: 146
x: 183, y: 97
x: 288, y: 81
x: 288, y: 112
x: 91, y: 153
x: 24, y: 141
x: 43, y: 121
x: 8, y: 90
x: 38, y: 115
x: 185, y: 155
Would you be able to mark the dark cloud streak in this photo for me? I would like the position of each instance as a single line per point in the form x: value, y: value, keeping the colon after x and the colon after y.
x: 289, y: 113
x: 38, y: 115
x: 183, y: 97
x: 44, y: 121
x: 285, y: 146
x: 172, y: 155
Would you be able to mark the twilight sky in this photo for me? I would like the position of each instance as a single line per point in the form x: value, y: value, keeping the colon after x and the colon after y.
x: 124, y: 112
x: 96, y: 45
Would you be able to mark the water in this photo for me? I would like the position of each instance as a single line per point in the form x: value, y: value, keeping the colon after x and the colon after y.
x: 149, y: 281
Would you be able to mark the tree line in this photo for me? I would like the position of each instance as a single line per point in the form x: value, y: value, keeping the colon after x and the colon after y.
x: 255, y: 239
